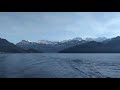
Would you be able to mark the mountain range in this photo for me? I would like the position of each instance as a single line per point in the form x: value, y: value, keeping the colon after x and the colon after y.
x: 8, y: 47
x: 75, y: 45
x: 107, y: 46
x: 51, y: 46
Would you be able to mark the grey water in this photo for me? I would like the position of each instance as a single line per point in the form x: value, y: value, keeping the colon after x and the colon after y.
x: 60, y: 65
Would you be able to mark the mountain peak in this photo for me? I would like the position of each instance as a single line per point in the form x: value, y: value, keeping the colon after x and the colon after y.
x: 100, y: 39
x: 44, y: 41
x: 2, y: 39
x: 25, y: 41
x: 78, y: 38
x: 47, y: 42
x: 116, y: 38
x: 89, y: 39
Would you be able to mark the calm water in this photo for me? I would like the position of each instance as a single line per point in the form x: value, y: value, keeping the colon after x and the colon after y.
x: 55, y: 65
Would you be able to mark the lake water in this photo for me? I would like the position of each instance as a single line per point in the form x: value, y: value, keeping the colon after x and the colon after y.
x: 60, y: 65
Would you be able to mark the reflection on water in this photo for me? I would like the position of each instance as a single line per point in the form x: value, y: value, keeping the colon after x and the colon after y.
x: 55, y: 65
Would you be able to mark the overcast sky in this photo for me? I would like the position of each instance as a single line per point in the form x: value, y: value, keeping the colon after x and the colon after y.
x: 57, y: 26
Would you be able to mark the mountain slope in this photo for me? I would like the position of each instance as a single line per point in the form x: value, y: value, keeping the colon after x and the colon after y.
x: 111, y: 46
x: 47, y: 46
x: 91, y: 46
x: 6, y: 46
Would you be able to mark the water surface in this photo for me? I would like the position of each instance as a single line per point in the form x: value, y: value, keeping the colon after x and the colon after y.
x: 60, y: 65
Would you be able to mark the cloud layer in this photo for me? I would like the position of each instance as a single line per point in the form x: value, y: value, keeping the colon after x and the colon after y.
x: 34, y: 26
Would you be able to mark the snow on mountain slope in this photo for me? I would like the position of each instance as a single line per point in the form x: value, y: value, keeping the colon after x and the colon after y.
x: 55, y: 46
x: 100, y: 39
x: 78, y: 38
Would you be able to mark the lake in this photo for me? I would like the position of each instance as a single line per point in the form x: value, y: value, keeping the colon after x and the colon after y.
x: 60, y: 65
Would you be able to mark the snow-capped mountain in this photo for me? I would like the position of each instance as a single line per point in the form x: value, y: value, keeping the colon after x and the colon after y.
x: 46, y: 42
x: 26, y: 46
x: 50, y: 46
x: 63, y: 41
x: 100, y: 39
x: 107, y: 46
x: 55, y: 46
x: 89, y: 39
x: 25, y: 41
x: 8, y: 47
x: 78, y: 38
